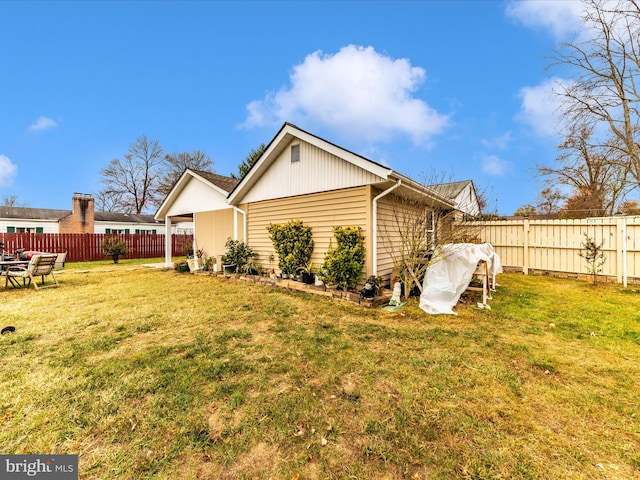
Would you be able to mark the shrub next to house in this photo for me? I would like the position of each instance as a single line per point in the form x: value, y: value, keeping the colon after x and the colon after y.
x: 293, y: 243
x: 343, y: 264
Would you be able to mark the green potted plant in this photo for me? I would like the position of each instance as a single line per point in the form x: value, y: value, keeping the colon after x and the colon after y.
x: 237, y: 256
x: 307, y: 272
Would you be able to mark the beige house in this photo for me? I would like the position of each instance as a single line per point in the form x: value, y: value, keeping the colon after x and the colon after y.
x: 301, y: 176
x: 201, y: 198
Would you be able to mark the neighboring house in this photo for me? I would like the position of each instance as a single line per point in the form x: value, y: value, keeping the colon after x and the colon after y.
x: 81, y: 219
x: 301, y: 176
x: 463, y: 194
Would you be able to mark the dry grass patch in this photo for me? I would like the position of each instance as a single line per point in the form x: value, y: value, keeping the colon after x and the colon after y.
x: 154, y: 374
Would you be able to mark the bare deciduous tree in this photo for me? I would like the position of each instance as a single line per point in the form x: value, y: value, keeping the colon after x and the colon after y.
x: 549, y: 201
x: 175, y: 164
x: 132, y: 182
x: 412, y: 226
x: 603, y: 91
x: 596, y: 175
x: 11, y: 201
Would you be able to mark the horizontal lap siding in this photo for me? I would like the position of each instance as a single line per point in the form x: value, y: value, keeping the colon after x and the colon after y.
x: 320, y: 211
x: 389, y: 233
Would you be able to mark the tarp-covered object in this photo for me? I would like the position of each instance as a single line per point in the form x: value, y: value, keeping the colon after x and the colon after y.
x: 449, y: 276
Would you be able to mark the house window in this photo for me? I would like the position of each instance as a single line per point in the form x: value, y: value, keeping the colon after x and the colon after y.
x: 11, y: 229
x: 295, y: 153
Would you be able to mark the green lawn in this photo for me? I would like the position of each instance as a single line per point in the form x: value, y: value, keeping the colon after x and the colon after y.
x: 154, y: 374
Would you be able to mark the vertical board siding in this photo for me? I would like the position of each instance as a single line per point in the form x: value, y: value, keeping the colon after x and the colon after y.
x: 320, y: 211
x: 556, y: 245
x: 317, y: 171
x: 86, y: 247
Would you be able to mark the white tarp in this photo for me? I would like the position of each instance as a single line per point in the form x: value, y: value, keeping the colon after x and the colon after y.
x: 449, y: 276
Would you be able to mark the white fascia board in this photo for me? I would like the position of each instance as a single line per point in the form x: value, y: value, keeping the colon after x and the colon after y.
x: 422, y: 189
x: 263, y: 162
x: 350, y: 157
x: 284, y: 137
x: 177, y: 190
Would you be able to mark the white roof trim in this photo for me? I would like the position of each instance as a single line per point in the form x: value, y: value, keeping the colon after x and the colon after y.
x: 287, y: 133
x: 177, y: 189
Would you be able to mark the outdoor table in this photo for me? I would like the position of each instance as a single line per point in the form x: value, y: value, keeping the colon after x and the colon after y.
x: 5, y: 264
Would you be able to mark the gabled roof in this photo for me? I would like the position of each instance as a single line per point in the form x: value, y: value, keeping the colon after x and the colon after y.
x: 53, y: 215
x: 20, y: 213
x: 218, y: 183
x: 225, y: 183
x: 115, y: 217
x: 452, y: 189
x: 288, y: 132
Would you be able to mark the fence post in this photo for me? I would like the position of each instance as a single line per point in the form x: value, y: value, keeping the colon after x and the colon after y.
x: 621, y: 250
x: 525, y: 259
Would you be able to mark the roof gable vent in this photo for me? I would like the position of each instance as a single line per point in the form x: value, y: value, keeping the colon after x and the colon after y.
x: 295, y: 153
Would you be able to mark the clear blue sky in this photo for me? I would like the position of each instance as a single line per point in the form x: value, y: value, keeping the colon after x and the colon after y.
x: 433, y: 88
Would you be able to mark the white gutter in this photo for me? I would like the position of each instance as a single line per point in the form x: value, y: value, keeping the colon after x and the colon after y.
x: 375, y: 224
x: 235, y: 223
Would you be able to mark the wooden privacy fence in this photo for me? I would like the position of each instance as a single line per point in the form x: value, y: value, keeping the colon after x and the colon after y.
x: 554, y: 246
x: 85, y: 247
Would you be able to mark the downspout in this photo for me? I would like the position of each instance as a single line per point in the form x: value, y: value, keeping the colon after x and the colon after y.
x: 375, y: 224
x: 235, y: 223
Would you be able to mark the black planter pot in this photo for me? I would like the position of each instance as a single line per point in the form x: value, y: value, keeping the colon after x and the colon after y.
x: 308, y: 278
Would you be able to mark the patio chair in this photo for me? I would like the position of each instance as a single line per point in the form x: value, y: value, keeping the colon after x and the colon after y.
x: 60, y: 259
x: 39, y: 266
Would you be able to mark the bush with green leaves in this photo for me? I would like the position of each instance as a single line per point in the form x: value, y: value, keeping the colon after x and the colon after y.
x: 114, y: 247
x: 343, y: 264
x: 237, y: 253
x: 293, y: 243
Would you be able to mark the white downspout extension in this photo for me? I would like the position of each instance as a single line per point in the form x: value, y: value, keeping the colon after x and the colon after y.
x: 244, y: 224
x: 375, y: 224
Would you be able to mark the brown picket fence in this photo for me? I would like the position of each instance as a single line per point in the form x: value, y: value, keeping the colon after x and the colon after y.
x: 86, y: 247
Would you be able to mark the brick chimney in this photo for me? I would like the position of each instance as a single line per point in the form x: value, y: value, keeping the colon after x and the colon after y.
x: 81, y: 219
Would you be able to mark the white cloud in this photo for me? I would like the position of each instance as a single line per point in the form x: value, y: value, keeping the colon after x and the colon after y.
x: 501, y: 142
x: 43, y: 123
x: 358, y: 92
x: 561, y: 18
x: 494, y: 165
x: 8, y: 171
x: 540, y: 105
